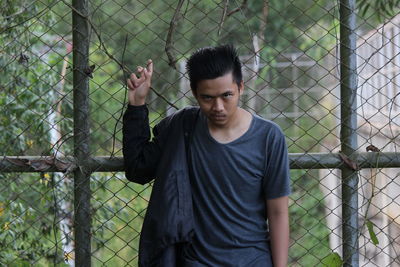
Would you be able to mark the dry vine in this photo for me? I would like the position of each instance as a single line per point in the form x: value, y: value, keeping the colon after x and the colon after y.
x: 169, y: 42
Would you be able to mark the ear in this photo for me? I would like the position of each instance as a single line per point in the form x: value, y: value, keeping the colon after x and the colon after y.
x: 241, y: 88
x: 194, y: 93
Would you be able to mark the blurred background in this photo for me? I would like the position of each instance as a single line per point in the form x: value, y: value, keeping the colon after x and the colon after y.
x: 291, y: 64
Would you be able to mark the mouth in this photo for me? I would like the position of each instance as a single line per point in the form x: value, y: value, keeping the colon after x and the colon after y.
x: 218, y: 117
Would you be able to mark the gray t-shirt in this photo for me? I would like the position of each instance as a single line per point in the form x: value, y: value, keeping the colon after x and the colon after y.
x: 230, y: 185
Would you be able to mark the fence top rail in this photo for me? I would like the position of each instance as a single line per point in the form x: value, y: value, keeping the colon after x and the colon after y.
x: 115, y: 164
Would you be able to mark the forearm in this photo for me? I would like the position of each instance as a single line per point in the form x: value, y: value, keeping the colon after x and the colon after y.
x: 140, y: 154
x: 278, y: 221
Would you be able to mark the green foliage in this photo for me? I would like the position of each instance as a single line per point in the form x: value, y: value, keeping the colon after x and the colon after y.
x: 307, y: 220
x: 27, y: 220
x: 28, y: 234
x: 25, y: 82
x: 107, y: 90
x: 118, y: 219
x: 309, y: 231
x: 381, y: 9
x: 371, y: 232
x: 333, y: 260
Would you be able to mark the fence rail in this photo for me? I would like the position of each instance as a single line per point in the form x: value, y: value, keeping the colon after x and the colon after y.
x: 116, y: 164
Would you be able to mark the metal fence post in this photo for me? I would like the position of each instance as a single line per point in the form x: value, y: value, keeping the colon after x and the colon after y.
x: 82, y: 195
x: 348, y: 135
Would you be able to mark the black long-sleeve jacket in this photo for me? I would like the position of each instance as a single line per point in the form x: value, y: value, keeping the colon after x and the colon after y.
x: 169, y: 218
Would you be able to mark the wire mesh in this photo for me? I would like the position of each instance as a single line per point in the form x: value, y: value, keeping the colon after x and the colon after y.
x: 291, y: 65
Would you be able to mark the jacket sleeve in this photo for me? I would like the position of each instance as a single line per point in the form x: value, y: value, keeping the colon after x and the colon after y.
x: 141, y: 155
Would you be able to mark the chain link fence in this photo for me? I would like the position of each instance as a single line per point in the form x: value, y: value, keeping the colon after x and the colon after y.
x: 327, y: 72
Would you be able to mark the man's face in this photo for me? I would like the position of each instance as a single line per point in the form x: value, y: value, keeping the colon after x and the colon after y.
x: 218, y: 99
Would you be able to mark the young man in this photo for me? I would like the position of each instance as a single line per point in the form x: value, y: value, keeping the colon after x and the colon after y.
x: 214, y: 190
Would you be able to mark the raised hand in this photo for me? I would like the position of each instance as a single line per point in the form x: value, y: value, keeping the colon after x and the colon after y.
x: 139, y: 87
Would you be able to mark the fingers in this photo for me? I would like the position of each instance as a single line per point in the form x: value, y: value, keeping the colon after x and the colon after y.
x: 148, y: 71
x: 150, y: 66
x: 130, y: 84
x: 136, y: 82
x: 143, y: 73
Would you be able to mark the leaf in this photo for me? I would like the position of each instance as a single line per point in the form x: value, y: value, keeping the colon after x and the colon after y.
x: 364, y: 9
x: 372, y: 234
x: 382, y: 6
x: 332, y: 260
x: 391, y: 6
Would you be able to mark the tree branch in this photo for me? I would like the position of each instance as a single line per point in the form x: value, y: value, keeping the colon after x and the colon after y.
x: 243, y: 6
x: 223, y: 16
x: 169, y: 41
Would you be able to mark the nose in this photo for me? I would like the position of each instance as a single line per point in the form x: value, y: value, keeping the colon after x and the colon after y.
x: 218, y: 105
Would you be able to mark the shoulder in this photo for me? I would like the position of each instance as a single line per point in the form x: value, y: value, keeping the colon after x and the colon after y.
x: 269, y: 127
x: 178, y: 116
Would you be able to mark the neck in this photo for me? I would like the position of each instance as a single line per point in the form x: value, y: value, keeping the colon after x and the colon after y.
x: 234, y: 129
x: 236, y: 121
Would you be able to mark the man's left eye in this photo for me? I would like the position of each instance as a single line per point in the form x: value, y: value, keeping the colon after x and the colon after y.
x: 227, y: 95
